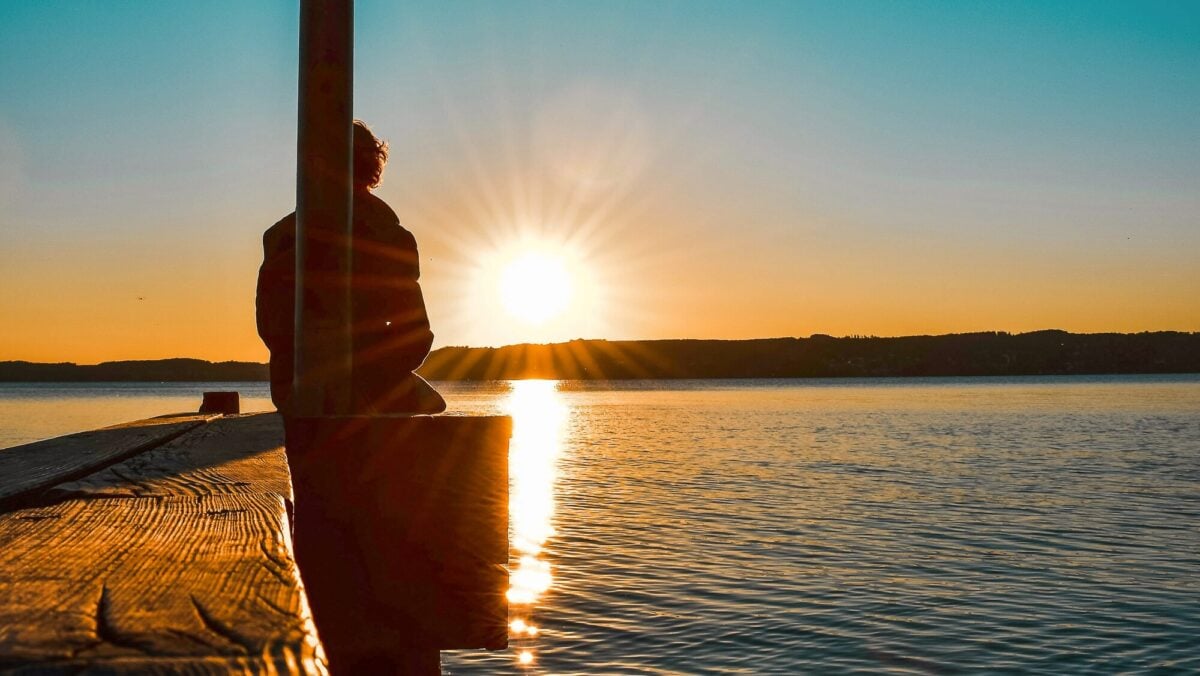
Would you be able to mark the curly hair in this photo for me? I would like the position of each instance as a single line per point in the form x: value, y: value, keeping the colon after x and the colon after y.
x: 370, y: 155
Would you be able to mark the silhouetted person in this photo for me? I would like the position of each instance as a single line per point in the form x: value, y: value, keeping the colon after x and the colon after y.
x: 391, y: 335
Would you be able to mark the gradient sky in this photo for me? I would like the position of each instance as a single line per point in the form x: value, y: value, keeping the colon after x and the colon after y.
x: 709, y: 170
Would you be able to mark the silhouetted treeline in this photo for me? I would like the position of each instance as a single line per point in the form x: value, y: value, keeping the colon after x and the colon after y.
x: 966, y: 354
x: 1037, y: 353
x: 156, y: 370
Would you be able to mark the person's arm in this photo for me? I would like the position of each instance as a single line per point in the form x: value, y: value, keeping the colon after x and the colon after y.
x: 274, y: 300
x: 410, y: 306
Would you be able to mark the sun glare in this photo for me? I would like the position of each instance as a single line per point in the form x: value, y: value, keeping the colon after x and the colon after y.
x: 539, y: 417
x: 535, y: 287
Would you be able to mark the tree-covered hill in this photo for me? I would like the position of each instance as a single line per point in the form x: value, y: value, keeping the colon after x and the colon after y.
x: 991, y: 353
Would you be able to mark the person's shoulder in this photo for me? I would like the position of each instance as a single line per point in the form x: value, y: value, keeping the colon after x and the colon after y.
x: 382, y: 214
x: 284, y: 224
x: 379, y: 210
x: 280, y: 234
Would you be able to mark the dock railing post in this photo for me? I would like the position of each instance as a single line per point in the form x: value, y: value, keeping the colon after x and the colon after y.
x: 321, y: 376
x: 400, y: 521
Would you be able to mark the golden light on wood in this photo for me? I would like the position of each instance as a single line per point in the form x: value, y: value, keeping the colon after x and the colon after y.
x: 199, y: 502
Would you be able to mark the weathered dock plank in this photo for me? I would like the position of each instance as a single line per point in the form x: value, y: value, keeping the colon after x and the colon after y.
x: 229, y: 455
x: 26, y: 470
x: 173, y: 557
x: 150, y: 666
x: 182, y: 583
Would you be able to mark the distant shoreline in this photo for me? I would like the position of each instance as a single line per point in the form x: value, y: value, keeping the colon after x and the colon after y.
x: 968, y: 354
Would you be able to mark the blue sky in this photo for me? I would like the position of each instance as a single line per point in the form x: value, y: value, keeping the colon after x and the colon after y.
x: 726, y: 169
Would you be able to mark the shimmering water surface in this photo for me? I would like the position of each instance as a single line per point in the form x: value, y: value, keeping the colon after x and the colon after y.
x: 909, y: 526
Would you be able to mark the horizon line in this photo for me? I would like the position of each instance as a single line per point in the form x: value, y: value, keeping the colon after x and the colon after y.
x: 652, y: 340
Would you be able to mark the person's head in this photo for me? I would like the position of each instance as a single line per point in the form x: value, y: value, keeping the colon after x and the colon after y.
x: 370, y: 154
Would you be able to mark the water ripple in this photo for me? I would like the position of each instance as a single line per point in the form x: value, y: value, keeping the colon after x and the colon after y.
x: 944, y: 528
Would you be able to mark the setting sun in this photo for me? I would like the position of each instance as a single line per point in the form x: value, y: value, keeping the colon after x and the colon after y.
x: 533, y: 283
x: 535, y: 287
x: 581, y: 337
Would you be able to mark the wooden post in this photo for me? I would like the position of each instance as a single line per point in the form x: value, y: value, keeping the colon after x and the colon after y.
x: 401, y: 522
x: 321, y: 377
x: 228, y: 403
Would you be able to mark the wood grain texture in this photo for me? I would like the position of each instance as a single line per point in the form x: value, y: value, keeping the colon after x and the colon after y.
x: 154, y: 585
x: 26, y: 470
x: 152, y: 666
x: 240, y: 454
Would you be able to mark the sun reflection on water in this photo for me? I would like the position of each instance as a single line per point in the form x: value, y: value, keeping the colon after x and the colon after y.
x: 539, y: 418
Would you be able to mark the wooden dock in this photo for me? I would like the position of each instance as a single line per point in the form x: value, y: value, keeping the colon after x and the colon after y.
x: 159, y: 546
x: 165, y: 546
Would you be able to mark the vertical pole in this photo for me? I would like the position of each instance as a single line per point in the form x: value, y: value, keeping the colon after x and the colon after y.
x: 321, y: 384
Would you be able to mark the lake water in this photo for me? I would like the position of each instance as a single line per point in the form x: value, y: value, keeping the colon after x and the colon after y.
x: 911, y: 526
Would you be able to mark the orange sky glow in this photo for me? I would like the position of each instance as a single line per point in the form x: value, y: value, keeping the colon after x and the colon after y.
x: 802, y: 172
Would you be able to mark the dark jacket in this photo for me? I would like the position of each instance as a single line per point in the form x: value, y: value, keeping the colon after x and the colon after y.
x: 391, y: 335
